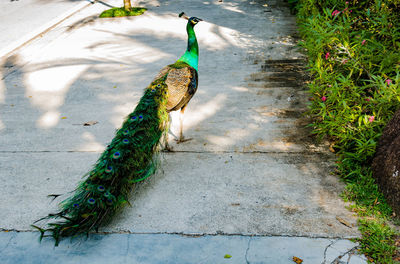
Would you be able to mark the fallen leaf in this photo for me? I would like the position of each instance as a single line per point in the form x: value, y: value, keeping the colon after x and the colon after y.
x: 344, y: 222
x: 297, y: 260
x: 114, y: 86
x: 331, y: 148
x: 227, y: 256
x: 397, y: 243
x: 90, y: 123
x: 64, y: 117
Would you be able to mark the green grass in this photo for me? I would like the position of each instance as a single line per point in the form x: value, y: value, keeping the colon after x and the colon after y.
x: 378, y: 242
x: 369, y: 201
x: 121, y: 12
x: 354, y: 58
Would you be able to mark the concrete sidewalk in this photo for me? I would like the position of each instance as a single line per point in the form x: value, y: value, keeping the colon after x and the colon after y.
x: 251, y: 172
x: 173, y: 249
x: 21, y: 21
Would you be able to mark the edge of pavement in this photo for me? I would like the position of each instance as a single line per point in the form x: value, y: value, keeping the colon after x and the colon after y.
x: 27, y: 38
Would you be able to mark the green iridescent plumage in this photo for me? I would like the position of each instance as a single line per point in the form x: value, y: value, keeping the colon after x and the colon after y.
x: 130, y: 157
x: 191, y: 56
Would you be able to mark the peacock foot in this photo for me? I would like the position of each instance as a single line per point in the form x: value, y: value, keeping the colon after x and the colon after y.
x: 168, y: 148
x: 182, y: 139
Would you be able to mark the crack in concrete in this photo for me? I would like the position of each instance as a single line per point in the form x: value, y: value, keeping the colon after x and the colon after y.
x: 326, y: 249
x: 247, y: 250
x: 127, y: 246
x: 337, y: 259
x: 8, y: 243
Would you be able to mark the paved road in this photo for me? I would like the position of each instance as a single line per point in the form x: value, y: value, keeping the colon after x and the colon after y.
x: 250, y: 171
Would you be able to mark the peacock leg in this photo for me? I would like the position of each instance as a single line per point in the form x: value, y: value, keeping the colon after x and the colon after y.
x: 167, y: 147
x: 181, y: 137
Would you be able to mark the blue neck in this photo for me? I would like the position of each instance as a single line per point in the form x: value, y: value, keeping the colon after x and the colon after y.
x: 191, y: 56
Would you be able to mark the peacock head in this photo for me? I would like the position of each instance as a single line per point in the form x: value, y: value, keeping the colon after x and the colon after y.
x: 192, y: 20
x: 195, y: 20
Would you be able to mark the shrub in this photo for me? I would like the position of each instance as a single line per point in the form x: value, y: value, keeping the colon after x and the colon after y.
x: 354, y: 58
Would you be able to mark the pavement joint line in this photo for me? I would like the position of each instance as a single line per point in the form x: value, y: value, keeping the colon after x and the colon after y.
x: 49, y: 151
x: 311, y: 153
x: 194, y: 235
x: 11, y: 71
x: 101, y: 2
x: 273, y: 87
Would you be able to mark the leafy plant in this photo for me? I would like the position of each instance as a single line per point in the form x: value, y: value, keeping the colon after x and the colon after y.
x: 122, y: 12
x: 354, y: 58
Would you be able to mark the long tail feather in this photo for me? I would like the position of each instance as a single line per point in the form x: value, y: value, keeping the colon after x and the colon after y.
x: 128, y: 159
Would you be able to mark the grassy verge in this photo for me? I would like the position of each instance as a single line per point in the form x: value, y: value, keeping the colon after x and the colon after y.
x: 122, y: 12
x: 354, y: 59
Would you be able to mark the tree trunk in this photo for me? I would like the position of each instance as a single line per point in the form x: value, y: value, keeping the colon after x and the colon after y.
x: 127, y: 4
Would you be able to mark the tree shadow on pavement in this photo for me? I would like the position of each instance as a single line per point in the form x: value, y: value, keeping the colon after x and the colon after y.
x: 105, y: 78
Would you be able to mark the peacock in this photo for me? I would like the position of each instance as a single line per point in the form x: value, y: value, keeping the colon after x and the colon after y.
x: 131, y: 155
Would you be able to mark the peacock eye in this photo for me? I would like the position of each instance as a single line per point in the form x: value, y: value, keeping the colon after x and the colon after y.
x: 116, y: 155
x: 108, y: 169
